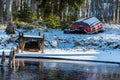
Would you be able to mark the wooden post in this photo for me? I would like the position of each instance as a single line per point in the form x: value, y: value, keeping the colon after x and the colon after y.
x: 3, y: 64
x: 3, y: 59
x: 22, y: 43
x: 39, y: 33
x: 17, y: 50
x: 39, y: 43
x: 42, y: 44
x: 19, y: 40
x: 22, y: 46
x: 12, y: 59
x: 20, y: 36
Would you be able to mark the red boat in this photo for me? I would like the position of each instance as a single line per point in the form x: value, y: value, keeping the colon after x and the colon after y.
x: 86, y: 25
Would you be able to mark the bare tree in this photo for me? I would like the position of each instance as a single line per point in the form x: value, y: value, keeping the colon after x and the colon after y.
x: 106, y: 10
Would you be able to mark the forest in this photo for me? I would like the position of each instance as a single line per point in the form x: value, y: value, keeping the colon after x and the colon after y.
x: 56, y: 13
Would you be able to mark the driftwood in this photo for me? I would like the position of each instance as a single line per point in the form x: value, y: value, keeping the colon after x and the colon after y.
x: 23, y: 39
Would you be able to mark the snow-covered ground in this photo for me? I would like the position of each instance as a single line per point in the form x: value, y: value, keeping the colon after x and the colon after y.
x: 103, y: 46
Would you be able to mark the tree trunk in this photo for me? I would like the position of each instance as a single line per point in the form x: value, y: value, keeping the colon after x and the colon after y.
x: 9, y: 10
x: 66, y: 12
x: 117, y: 11
x: 114, y: 10
x: 10, y: 25
x: 1, y: 11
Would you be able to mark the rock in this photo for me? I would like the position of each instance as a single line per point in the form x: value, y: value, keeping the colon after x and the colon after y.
x: 53, y: 44
x: 76, y: 43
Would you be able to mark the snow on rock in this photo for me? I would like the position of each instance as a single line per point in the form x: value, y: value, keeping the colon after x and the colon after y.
x: 53, y: 44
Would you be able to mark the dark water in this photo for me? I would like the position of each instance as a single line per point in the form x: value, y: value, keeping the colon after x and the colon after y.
x: 62, y: 70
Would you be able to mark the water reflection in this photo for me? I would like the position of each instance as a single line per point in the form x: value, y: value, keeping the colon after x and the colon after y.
x: 62, y: 70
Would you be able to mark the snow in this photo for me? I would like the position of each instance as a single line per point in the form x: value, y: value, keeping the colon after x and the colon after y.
x: 105, y: 56
x: 91, y: 20
x: 32, y: 36
x: 103, y: 46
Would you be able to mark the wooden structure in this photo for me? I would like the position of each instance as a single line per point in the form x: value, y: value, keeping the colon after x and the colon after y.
x: 34, y: 42
x: 87, y: 25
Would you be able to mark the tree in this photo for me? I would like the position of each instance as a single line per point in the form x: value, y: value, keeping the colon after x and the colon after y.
x: 10, y: 24
x: 1, y: 11
x: 107, y: 11
x: 9, y: 10
x: 62, y: 8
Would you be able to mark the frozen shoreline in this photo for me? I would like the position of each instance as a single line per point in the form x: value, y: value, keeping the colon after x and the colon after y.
x: 92, y: 55
x: 102, y: 46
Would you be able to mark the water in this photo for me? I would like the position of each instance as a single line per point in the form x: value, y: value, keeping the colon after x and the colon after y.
x: 46, y: 69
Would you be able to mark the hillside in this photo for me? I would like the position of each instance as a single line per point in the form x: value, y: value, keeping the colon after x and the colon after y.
x: 56, y: 39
